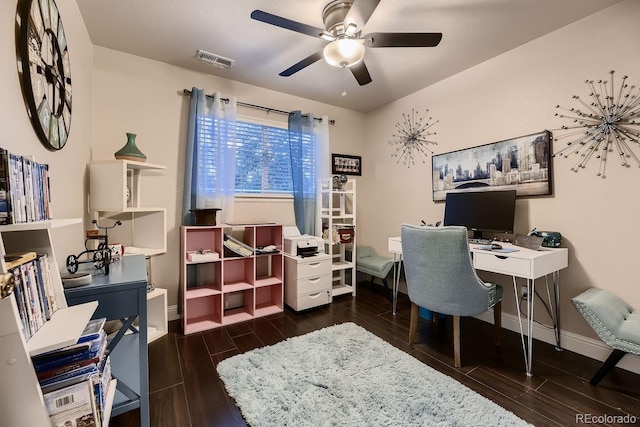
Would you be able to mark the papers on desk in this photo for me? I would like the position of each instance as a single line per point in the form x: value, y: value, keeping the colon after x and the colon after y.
x: 489, y: 248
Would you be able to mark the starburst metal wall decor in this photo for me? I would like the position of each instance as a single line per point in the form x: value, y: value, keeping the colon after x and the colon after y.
x: 411, y: 138
x: 609, y: 122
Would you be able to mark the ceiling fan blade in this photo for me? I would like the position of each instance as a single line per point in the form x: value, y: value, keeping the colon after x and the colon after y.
x: 314, y: 57
x: 361, y: 11
x: 288, y: 24
x: 361, y: 73
x: 402, y: 39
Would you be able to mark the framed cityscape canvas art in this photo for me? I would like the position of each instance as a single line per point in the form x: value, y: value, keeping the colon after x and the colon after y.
x: 521, y: 163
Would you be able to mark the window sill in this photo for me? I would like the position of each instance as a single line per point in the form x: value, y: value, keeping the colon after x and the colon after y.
x: 269, y: 197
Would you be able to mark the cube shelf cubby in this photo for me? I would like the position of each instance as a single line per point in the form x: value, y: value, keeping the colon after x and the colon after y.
x: 116, y: 194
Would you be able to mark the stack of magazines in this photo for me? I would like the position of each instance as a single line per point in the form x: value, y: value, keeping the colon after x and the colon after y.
x: 75, y: 379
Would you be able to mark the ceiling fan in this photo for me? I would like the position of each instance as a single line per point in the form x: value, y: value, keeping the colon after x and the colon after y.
x: 343, y: 21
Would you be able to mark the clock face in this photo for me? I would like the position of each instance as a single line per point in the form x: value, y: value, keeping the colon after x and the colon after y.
x: 45, y: 73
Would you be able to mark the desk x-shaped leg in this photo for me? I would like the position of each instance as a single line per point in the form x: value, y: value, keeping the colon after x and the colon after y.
x: 127, y: 324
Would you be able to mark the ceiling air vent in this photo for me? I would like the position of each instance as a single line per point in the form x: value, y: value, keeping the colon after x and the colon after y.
x: 213, y: 59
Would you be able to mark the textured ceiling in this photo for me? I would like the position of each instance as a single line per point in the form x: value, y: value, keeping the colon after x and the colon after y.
x: 172, y: 31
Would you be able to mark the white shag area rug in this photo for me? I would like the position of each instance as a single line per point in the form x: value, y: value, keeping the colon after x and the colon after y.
x: 344, y: 375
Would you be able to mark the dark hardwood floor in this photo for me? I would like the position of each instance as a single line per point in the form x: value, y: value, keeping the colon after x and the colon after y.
x: 186, y: 391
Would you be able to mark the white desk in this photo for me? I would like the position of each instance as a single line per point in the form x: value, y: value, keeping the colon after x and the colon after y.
x: 524, y: 263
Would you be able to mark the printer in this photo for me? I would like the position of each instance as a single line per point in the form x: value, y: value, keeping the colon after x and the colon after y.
x: 303, y: 245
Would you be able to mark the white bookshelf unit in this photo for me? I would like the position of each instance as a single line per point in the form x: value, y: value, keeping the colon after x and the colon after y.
x: 21, y: 400
x: 227, y: 288
x: 337, y: 215
x: 116, y: 194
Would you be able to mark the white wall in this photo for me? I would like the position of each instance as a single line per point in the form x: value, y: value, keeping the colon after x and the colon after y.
x: 512, y: 95
x: 137, y: 95
x: 67, y: 166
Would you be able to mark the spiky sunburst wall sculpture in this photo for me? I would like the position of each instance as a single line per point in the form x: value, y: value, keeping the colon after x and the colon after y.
x: 411, y: 141
x: 609, y: 122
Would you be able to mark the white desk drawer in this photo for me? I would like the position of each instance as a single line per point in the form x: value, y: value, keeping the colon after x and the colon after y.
x: 498, y: 264
x: 311, y: 267
x: 311, y: 300
x: 394, y: 245
x: 314, y: 284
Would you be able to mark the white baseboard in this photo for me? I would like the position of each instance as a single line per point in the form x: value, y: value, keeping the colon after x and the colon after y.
x: 592, y: 348
x: 172, y: 313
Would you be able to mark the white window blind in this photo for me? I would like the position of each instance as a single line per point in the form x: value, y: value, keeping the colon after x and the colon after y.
x: 263, y: 162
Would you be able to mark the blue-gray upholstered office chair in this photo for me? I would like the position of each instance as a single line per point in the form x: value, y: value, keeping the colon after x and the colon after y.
x: 616, y: 323
x: 441, y: 278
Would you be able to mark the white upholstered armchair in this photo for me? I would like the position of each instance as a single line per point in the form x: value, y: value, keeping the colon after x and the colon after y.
x: 441, y: 278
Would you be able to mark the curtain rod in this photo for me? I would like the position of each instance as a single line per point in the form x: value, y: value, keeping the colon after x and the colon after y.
x: 257, y: 107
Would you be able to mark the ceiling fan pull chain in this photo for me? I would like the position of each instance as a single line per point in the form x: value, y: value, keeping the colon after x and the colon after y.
x: 343, y: 81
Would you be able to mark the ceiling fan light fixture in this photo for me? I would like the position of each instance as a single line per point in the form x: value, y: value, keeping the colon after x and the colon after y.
x: 344, y: 52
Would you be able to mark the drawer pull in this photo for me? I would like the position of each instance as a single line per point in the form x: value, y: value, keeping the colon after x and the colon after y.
x: 501, y: 256
x: 315, y: 279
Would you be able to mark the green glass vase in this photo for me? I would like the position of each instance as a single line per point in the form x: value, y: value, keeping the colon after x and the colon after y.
x: 130, y: 151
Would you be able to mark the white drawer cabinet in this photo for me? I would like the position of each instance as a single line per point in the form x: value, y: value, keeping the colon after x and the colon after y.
x: 307, y: 281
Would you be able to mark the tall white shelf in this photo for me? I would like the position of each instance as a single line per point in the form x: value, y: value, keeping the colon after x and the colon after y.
x: 337, y: 208
x: 21, y: 400
x: 116, y: 193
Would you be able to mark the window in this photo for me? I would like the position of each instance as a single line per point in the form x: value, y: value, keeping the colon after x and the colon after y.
x: 263, y: 163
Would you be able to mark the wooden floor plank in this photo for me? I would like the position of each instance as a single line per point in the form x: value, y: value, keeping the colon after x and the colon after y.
x: 168, y: 407
x: 579, y: 402
x: 268, y: 333
x: 218, y: 340
x: 164, y: 364
x: 247, y: 342
x: 203, y: 388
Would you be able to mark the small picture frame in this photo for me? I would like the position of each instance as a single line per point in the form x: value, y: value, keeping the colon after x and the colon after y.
x: 344, y: 164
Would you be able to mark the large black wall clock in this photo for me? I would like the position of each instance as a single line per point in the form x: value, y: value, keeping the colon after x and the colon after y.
x: 45, y: 73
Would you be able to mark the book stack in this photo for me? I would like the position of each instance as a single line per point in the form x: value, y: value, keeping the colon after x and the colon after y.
x: 24, y: 189
x: 236, y: 246
x: 34, y: 290
x: 75, y: 379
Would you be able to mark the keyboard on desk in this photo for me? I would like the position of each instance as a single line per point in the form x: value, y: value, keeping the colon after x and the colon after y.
x: 475, y: 241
